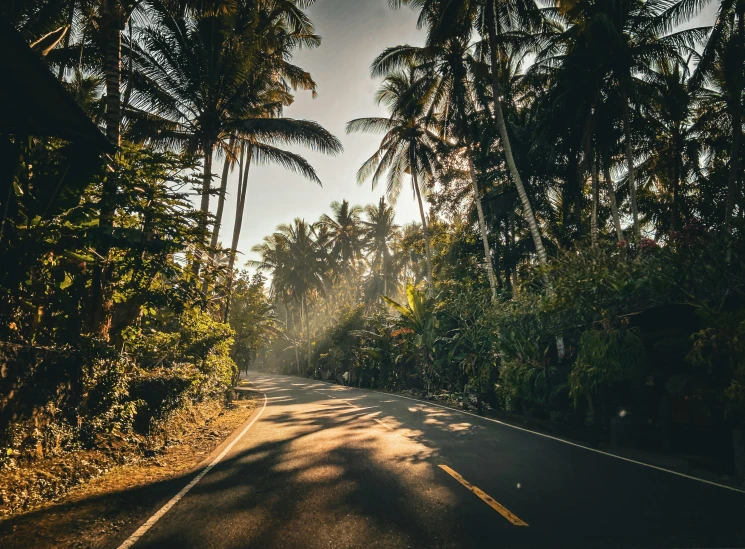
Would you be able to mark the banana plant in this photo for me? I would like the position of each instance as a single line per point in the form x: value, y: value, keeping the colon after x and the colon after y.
x: 418, y: 318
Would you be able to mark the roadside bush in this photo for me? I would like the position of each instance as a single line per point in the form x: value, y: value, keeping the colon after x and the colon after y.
x: 607, y: 359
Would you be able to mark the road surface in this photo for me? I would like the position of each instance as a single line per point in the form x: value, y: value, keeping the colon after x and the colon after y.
x: 325, y: 466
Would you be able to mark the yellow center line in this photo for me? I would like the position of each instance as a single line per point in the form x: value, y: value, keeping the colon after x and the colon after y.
x: 490, y: 501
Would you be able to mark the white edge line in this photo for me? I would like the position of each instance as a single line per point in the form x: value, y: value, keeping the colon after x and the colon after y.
x: 424, y: 402
x: 131, y: 540
x: 427, y: 403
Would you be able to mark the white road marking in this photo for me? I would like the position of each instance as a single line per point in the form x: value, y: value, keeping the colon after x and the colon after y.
x: 649, y: 465
x: 131, y: 540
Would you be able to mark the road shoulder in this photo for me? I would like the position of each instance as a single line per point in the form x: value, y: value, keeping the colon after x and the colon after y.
x: 104, y: 509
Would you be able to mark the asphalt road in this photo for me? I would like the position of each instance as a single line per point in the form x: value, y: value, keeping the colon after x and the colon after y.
x: 329, y: 467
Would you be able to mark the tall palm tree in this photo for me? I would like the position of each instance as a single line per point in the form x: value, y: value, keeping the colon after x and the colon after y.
x: 448, y: 67
x: 623, y: 40
x: 672, y: 144
x: 408, y: 146
x: 203, y: 81
x: 298, y: 266
x: 380, y: 230
x: 343, y: 235
x: 492, y: 19
x: 278, y: 131
x: 724, y: 56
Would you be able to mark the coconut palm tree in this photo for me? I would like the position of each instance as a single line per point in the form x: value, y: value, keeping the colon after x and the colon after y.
x: 379, y: 231
x: 492, y: 19
x: 298, y: 265
x: 343, y: 235
x: 409, y: 145
x: 723, y: 61
x: 448, y: 67
x: 672, y: 145
x: 203, y: 81
x: 636, y: 37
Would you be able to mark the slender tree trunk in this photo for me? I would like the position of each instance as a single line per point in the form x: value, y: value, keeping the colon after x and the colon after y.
x: 66, y: 44
x: 307, y: 330
x: 511, y: 235
x: 130, y: 80
x: 482, y: 225
x: 113, y: 72
x: 507, y: 146
x: 675, y: 210
x: 238, y: 223
x: 612, y: 198
x: 113, y: 75
x: 736, y: 116
x: 229, y: 156
x: 630, y: 165
x: 595, y: 189
x: 385, y: 276
x: 505, y: 138
x: 427, y: 248
x: 220, y: 203
x: 204, y: 205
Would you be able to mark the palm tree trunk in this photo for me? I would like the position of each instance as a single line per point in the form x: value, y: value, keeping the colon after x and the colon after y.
x: 630, y: 165
x: 307, y: 330
x: 675, y: 210
x: 505, y: 138
x: 594, y: 219
x: 204, y: 205
x: 238, y: 223
x: 612, y: 198
x: 229, y: 156
x: 220, y: 202
x: 113, y: 79
x: 102, y: 311
x: 507, y: 146
x: 425, y: 229
x: 287, y: 328
x: 66, y: 44
x: 736, y: 116
x: 482, y: 226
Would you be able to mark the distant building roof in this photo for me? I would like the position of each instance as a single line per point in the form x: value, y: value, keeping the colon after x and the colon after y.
x: 34, y: 102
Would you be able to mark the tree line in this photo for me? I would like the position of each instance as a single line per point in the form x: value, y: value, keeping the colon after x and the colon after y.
x: 116, y: 285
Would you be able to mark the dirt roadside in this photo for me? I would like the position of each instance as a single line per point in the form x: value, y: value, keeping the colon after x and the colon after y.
x: 94, y: 513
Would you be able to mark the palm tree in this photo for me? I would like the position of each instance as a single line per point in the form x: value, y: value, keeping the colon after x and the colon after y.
x: 493, y: 19
x: 636, y: 37
x: 298, y: 266
x: 275, y: 131
x: 408, y: 146
x: 343, y: 235
x: 672, y: 144
x: 724, y: 56
x: 380, y: 230
x: 449, y: 68
x: 203, y: 81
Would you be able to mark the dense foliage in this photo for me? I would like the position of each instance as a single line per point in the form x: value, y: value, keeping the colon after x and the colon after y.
x: 116, y: 292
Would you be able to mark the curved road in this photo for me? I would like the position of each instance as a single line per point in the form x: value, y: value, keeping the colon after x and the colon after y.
x: 327, y: 467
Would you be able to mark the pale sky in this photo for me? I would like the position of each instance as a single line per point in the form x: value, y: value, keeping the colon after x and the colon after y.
x: 354, y: 32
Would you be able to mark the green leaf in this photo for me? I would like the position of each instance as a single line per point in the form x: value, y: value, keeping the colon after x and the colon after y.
x: 66, y: 283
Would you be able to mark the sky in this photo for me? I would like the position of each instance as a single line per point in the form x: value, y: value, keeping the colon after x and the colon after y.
x: 354, y: 32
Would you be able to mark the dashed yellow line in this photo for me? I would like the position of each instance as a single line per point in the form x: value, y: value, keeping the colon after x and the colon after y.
x: 490, y: 501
